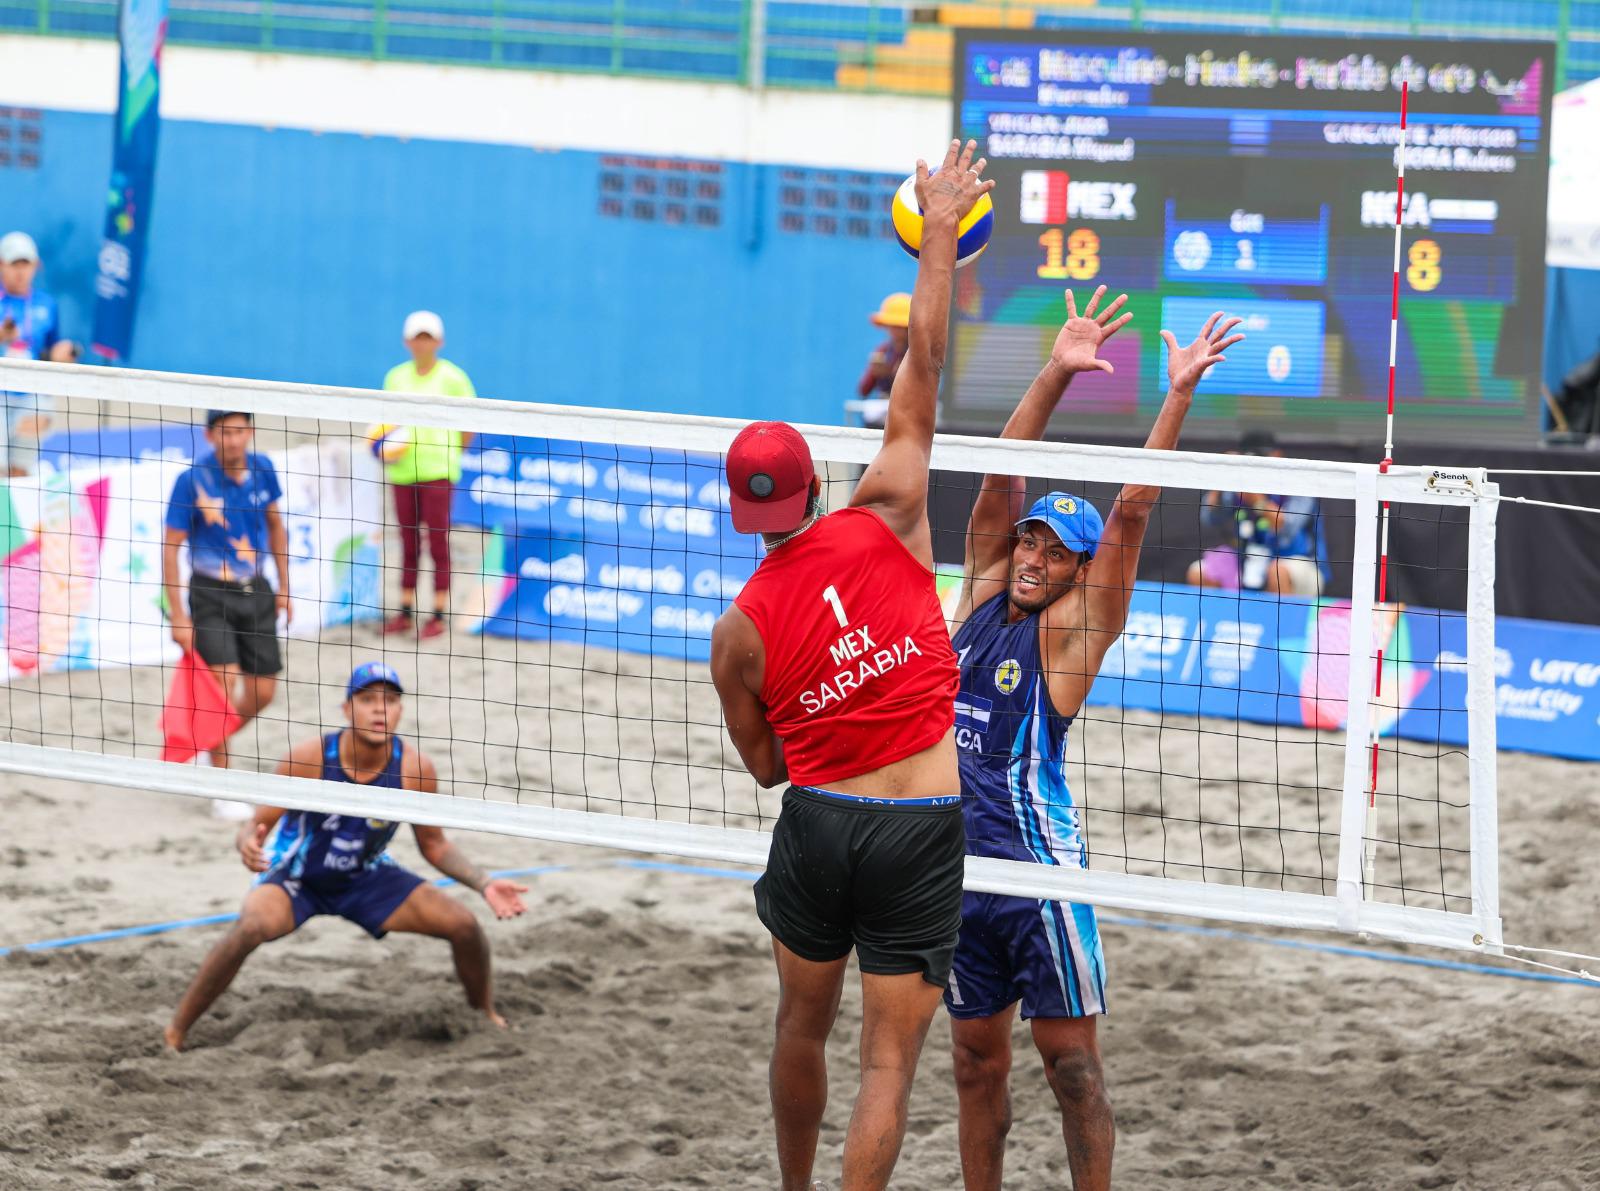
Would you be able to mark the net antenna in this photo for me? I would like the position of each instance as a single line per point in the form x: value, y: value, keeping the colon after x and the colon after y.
x: 1370, y: 867
x: 1365, y: 719
x: 557, y: 769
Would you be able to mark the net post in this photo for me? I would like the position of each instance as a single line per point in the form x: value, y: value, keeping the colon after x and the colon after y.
x: 1358, y: 696
x: 1482, y: 739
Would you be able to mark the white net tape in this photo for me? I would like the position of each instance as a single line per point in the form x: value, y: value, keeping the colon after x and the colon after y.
x: 567, y: 702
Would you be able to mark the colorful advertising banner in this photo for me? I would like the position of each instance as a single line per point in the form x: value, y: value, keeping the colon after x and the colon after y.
x: 1284, y: 660
x: 141, y: 30
x: 80, y: 572
x: 618, y: 547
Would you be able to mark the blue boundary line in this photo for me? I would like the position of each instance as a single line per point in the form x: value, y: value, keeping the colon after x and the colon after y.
x: 750, y: 875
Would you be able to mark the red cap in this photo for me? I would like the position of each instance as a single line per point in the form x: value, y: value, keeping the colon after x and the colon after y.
x: 769, y: 478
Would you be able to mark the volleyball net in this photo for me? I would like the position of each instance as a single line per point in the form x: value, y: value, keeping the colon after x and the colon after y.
x: 1223, y: 767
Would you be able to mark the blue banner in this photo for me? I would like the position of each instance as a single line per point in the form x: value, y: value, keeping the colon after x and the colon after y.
x: 1283, y: 660
x: 141, y: 30
x: 617, y: 547
x: 634, y: 549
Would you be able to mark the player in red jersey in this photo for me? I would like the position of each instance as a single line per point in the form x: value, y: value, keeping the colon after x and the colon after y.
x: 835, y: 671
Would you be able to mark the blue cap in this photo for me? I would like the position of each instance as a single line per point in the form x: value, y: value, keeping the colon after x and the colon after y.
x: 370, y: 674
x: 1072, y: 519
x: 213, y: 416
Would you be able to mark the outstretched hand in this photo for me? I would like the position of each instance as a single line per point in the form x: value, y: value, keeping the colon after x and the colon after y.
x: 503, y: 899
x: 951, y: 190
x: 1081, y: 336
x: 1187, y: 365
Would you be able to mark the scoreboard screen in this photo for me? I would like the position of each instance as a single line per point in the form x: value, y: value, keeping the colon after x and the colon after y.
x: 1206, y: 171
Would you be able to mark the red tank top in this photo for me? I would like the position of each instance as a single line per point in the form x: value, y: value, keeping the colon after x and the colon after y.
x: 859, y: 668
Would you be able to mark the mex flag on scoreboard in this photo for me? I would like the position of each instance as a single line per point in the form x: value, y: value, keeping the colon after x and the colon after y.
x: 141, y: 30
x: 1044, y: 196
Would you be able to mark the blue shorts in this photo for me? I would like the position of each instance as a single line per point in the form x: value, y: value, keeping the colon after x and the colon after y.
x: 367, y: 899
x: 1045, y: 954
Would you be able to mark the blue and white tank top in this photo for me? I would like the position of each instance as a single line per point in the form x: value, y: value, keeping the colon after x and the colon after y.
x: 1012, y: 744
x: 326, y: 849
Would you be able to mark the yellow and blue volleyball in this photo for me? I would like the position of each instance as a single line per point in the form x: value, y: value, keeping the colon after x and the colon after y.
x: 389, y: 443
x: 972, y: 234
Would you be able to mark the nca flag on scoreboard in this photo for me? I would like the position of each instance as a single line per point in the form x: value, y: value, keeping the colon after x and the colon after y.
x: 1044, y: 196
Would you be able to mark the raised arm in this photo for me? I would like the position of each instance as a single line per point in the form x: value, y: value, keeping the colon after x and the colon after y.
x: 895, y: 484
x: 1116, y: 565
x: 1000, y: 500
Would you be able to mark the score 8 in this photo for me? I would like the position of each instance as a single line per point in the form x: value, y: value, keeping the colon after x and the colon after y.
x: 1075, y: 257
x: 1423, y: 271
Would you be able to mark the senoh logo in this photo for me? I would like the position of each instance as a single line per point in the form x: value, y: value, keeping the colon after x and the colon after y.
x: 1052, y: 196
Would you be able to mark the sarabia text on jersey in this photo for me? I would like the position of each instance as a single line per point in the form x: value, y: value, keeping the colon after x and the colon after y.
x: 859, y: 669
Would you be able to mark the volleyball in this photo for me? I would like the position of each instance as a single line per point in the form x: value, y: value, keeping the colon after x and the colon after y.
x: 972, y: 234
x: 388, y: 443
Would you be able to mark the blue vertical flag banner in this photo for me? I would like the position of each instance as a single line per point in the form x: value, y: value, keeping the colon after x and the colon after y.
x: 141, y: 32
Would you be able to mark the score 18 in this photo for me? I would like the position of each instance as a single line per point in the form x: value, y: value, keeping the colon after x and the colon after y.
x: 1074, y: 257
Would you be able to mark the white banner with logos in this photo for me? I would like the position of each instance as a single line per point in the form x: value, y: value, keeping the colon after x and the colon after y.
x: 80, y: 556
x: 1574, y: 229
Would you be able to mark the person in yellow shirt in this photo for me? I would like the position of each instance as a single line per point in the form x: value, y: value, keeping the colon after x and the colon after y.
x: 423, y: 465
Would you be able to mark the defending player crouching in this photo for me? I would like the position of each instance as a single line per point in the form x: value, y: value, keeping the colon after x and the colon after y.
x: 1045, y: 595
x: 337, y: 864
x: 835, y: 671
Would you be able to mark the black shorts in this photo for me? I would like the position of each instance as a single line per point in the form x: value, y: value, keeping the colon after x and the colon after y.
x: 880, y: 877
x: 235, y: 625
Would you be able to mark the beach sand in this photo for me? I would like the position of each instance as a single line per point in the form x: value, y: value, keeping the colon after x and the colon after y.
x: 642, y: 997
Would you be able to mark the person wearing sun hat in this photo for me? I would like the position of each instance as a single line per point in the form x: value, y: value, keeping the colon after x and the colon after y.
x: 894, y: 316
x: 423, y: 465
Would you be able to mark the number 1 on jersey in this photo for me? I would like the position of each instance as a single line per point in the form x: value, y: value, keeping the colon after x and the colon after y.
x: 831, y: 595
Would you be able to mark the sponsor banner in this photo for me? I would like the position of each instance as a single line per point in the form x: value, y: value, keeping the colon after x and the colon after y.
x: 622, y: 548
x: 100, y: 446
x: 141, y: 30
x: 632, y: 598
x: 633, y: 496
x: 80, y: 556
x: 1282, y: 660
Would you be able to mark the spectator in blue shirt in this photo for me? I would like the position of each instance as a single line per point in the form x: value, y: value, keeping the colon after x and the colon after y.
x: 1270, y: 543
x: 30, y: 329
x: 226, y: 508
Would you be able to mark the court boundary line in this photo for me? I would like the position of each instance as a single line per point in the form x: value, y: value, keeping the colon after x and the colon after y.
x: 750, y: 875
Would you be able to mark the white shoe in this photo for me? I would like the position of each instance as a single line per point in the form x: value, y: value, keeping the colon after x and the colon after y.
x: 228, y: 809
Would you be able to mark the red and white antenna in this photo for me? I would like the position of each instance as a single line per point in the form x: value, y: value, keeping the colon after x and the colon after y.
x: 1388, y: 460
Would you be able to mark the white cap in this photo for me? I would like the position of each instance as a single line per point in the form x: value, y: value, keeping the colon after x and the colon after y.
x: 18, y: 246
x: 423, y: 322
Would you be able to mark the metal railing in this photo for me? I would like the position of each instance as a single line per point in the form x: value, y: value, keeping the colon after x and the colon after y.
x: 862, y: 45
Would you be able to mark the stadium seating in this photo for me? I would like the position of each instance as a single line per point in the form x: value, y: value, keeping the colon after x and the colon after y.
x: 867, y: 45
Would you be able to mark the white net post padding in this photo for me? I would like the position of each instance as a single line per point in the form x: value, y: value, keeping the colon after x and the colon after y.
x: 1354, y: 906
x: 1482, y: 739
x: 1354, y: 811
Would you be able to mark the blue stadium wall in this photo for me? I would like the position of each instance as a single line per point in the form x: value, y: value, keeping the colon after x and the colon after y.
x: 294, y: 255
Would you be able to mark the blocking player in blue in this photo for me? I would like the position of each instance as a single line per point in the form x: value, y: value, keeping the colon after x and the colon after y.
x: 337, y: 864
x: 1046, y: 593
